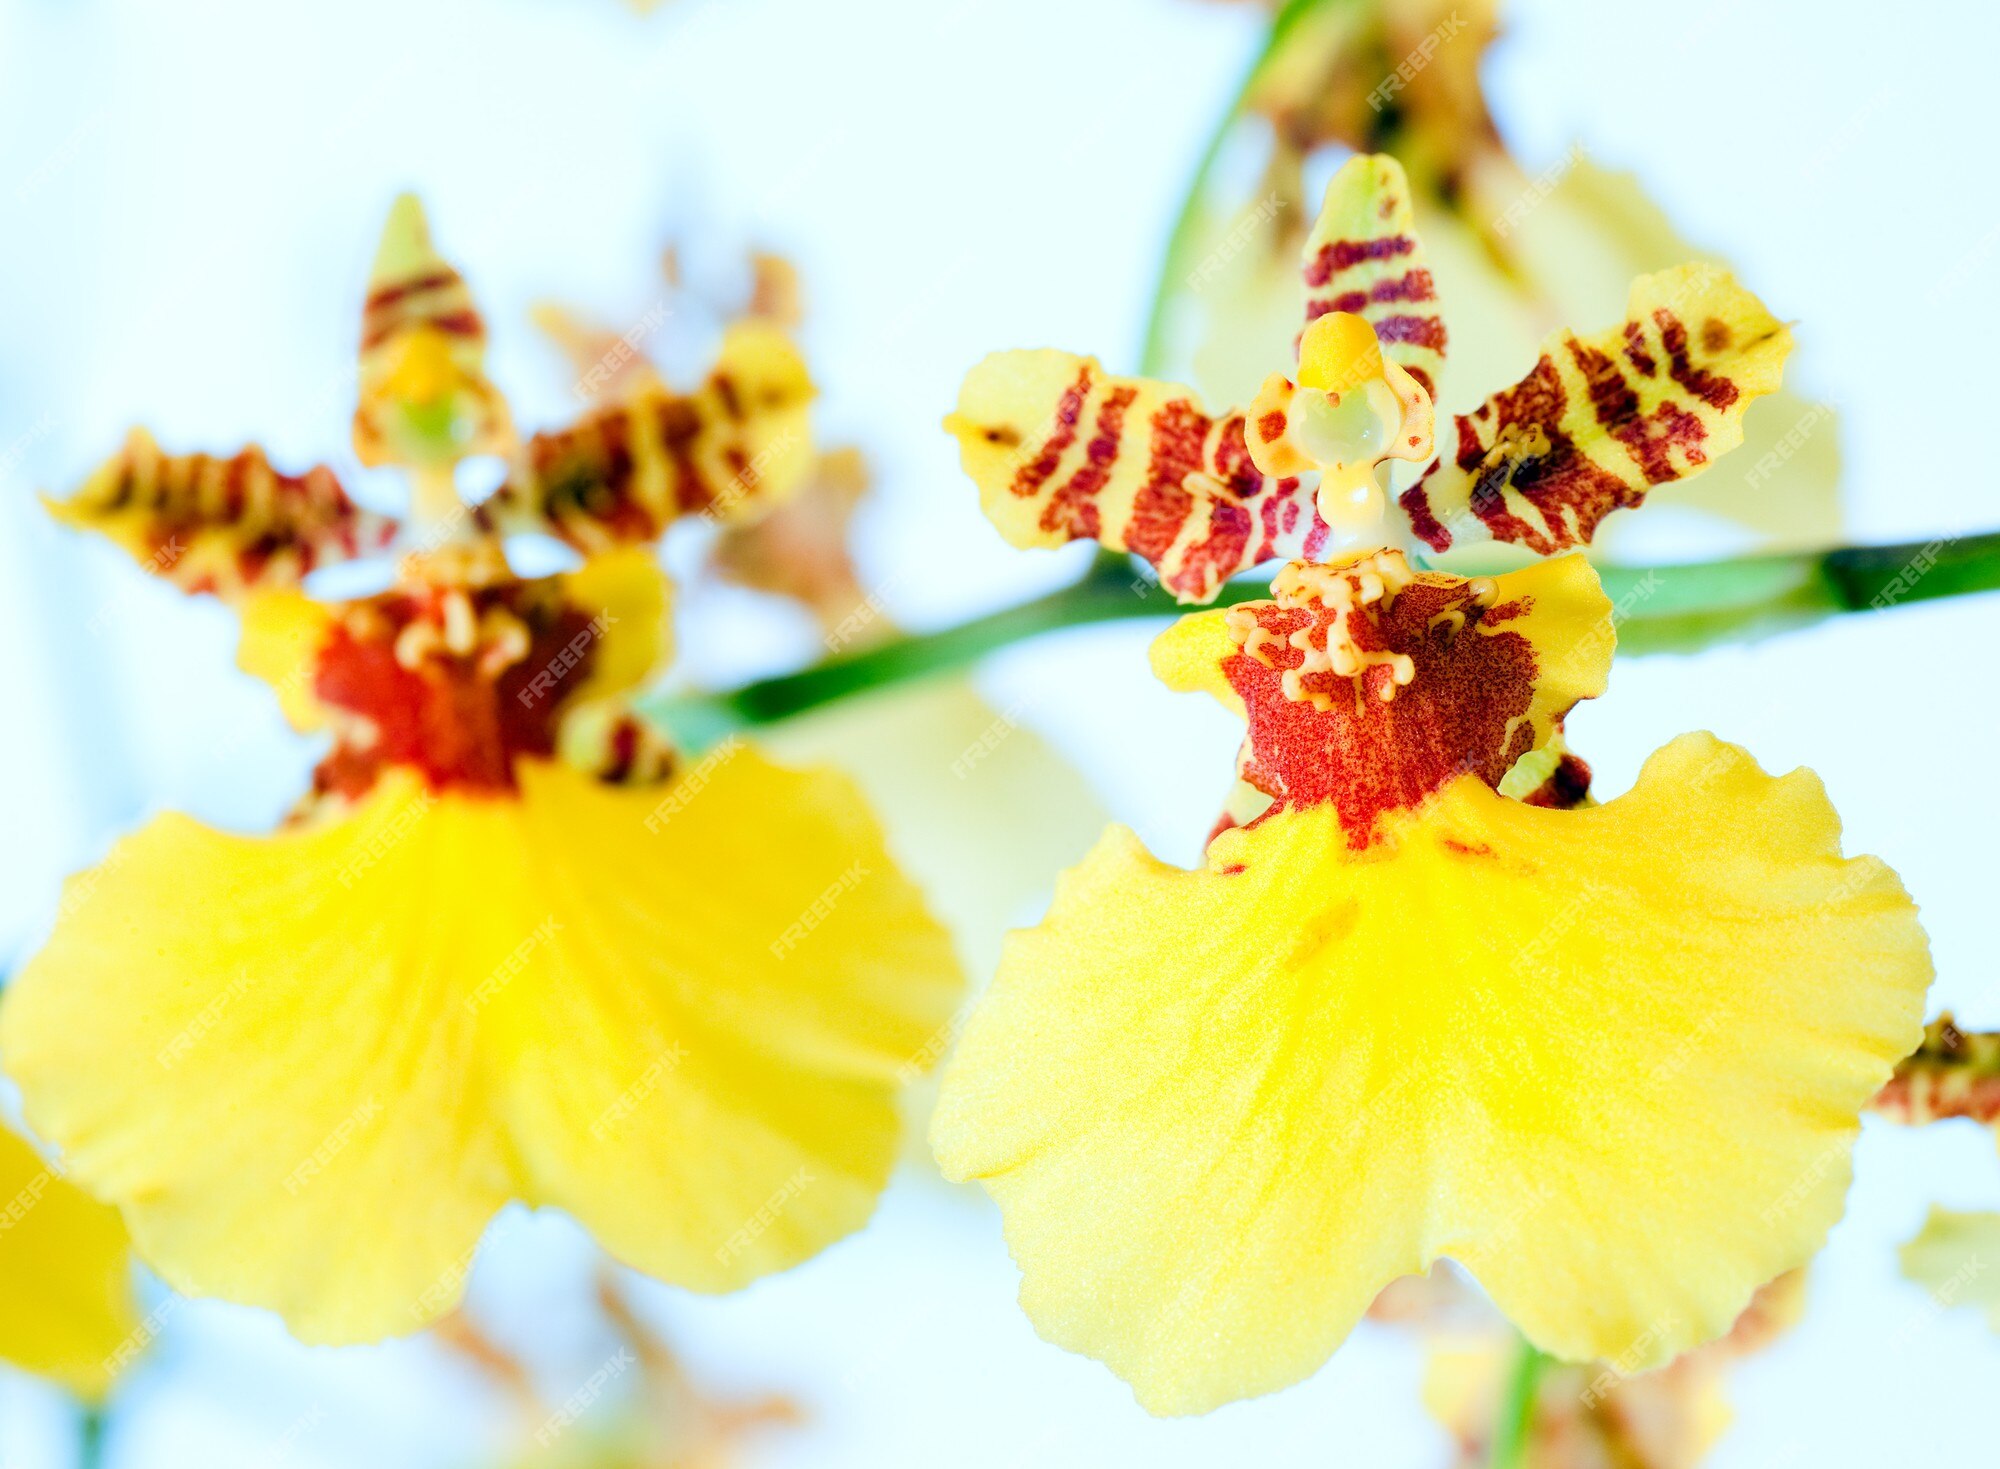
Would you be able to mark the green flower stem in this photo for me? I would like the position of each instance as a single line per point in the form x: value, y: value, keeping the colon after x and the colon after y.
x: 91, y: 1425
x: 1658, y: 609
x: 1174, y: 263
x: 1513, y: 1429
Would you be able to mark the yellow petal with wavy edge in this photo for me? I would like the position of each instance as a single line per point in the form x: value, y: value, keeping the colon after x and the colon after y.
x: 66, y: 1308
x: 227, y: 526
x: 1601, y: 420
x: 280, y: 643
x: 1189, y: 655
x: 1061, y: 451
x: 1956, y: 1257
x: 310, y: 1067
x: 625, y: 592
x: 1611, y: 1060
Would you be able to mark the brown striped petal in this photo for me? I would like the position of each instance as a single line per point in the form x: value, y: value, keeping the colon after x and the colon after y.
x: 1954, y: 1073
x: 1601, y: 420
x: 1062, y: 451
x: 425, y: 398
x: 227, y: 526
x: 1363, y: 257
x: 733, y: 448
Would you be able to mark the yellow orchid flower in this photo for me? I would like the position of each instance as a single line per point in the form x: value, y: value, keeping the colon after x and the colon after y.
x: 1611, y: 1058
x: 65, y: 1276
x: 512, y: 946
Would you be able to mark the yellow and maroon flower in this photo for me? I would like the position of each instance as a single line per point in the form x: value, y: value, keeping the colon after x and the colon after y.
x: 510, y: 946
x: 1422, y: 999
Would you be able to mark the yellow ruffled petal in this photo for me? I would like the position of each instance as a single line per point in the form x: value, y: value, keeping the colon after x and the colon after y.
x: 283, y: 633
x: 1611, y: 1060
x: 1062, y: 452
x: 65, y: 1276
x: 1954, y: 1257
x: 1601, y: 420
x: 625, y: 592
x: 310, y: 1067
x: 1189, y: 656
x: 227, y: 526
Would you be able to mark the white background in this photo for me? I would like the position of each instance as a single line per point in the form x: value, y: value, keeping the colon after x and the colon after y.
x: 190, y: 193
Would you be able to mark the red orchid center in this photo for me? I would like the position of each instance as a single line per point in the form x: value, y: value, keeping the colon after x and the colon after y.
x: 455, y: 681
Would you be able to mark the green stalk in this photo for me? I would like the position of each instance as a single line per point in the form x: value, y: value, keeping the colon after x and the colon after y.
x: 1513, y: 1429
x: 92, y: 1424
x: 1174, y: 263
x: 1658, y: 609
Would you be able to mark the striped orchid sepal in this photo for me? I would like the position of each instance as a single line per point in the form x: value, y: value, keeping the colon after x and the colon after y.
x: 426, y: 401
x: 734, y: 448
x: 1363, y: 258
x: 1062, y: 450
x: 229, y: 526
x: 1601, y: 420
